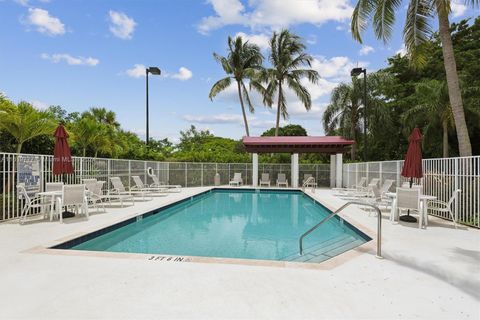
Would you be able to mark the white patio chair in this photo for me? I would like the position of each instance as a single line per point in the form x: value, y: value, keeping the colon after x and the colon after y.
x: 445, y: 207
x: 30, y: 203
x: 265, y: 180
x: 282, y: 180
x: 237, y: 179
x: 53, y: 186
x: 74, y: 195
x: 119, y: 189
x: 378, y: 198
x: 139, y: 186
x: 409, y: 199
x: 94, y: 189
x: 159, y: 184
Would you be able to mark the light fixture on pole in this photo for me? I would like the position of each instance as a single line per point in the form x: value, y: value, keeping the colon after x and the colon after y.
x: 354, y: 73
x: 155, y: 71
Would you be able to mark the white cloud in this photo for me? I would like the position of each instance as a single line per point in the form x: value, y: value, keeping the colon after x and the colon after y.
x: 121, y: 26
x: 23, y: 2
x: 137, y: 71
x: 182, y: 74
x: 402, y: 51
x: 225, y: 118
x: 366, y: 50
x: 39, y: 104
x: 44, y: 22
x: 335, y: 68
x: 274, y: 14
x: 458, y: 8
x: 261, y: 40
x: 71, y: 60
x: 312, y: 39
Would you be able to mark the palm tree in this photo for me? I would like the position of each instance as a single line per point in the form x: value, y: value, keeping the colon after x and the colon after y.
x: 241, y: 63
x: 345, y: 112
x: 89, y: 133
x: 24, y: 122
x: 104, y: 116
x: 416, y: 32
x: 287, y: 57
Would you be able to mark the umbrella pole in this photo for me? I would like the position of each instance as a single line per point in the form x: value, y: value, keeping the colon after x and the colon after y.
x: 66, y: 213
x: 408, y: 217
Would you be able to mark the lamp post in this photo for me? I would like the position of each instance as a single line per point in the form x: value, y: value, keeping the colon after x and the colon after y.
x: 354, y: 73
x: 155, y: 71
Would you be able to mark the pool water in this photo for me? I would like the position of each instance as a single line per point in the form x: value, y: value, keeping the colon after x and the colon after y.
x: 247, y: 224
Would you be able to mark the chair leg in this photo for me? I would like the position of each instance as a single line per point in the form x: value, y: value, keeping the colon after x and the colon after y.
x: 453, y: 218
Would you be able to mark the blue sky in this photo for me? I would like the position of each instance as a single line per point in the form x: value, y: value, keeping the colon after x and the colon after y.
x: 80, y: 54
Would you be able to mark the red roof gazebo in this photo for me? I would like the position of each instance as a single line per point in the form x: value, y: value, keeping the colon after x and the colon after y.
x: 333, y: 145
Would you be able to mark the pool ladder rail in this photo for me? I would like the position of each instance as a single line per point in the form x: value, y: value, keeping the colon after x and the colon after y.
x: 360, y: 203
x: 309, y: 181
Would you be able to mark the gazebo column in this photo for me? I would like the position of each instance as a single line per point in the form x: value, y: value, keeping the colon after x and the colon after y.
x: 255, y: 169
x: 333, y: 171
x: 294, y: 169
x: 339, y: 169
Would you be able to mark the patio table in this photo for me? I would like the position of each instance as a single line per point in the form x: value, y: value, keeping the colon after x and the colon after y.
x: 424, y: 198
x: 53, y: 196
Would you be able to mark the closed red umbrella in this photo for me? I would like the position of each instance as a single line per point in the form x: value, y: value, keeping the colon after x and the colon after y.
x: 412, y: 166
x: 62, y: 157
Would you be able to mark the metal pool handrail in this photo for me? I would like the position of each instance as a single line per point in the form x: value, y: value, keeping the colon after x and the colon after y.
x: 379, y: 225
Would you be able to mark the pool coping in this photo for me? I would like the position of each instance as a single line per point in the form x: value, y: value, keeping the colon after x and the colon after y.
x: 53, y: 247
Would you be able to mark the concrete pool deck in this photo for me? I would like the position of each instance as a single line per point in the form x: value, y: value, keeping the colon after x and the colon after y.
x: 427, y: 273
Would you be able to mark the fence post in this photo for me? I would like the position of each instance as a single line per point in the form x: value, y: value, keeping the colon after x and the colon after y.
x: 186, y: 174
x: 398, y: 174
x: 455, y: 214
x: 380, y: 172
x: 201, y: 174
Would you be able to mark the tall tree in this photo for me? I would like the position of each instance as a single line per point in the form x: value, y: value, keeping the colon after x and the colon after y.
x: 434, y: 107
x: 242, y: 61
x: 288, y: 58
x: 24, y: 122
x: 416, y: 33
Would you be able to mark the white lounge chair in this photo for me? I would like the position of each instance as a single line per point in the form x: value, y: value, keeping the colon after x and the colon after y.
x: 445, y: 207
x: 357, y: 187
x: 139, y: 186
x: 409, y: 199
x: 309, y: 183
x: 387, y: 184
x: 30, y: 203
x: 96, y: 195
x: 159, y: 184
x: 265, y: 180
x: 237, y: 179
x: 74, y: 195
x: 53, y: 186
x: 282, y: 180
x: 119, y: 189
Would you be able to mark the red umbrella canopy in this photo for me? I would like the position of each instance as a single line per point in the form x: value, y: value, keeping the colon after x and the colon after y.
x: 62, y: 157
x: 412, y: 167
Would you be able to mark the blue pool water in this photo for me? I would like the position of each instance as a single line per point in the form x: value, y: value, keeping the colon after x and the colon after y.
x: 244, y: 224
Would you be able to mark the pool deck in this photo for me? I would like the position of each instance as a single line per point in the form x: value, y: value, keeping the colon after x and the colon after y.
x: 431, y: 273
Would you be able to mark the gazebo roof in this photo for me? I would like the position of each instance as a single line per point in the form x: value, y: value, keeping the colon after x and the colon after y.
x: 297, y: 144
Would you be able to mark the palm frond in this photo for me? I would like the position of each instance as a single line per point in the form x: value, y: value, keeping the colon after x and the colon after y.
x: 300, y: 91
x: 417, y: 29
x: 219, y: 86
x: 246, y: 96
x: 384, y: 18
x: 360, y: 16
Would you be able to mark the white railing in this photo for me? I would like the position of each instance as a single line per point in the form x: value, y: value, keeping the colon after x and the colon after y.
x: 36, y: 170
x: 441, y: 177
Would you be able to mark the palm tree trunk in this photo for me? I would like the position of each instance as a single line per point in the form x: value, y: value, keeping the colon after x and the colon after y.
x: 84, y: 152
x: 19, y: 147
x: 353, y: 151
x: 445, y: 138
x: 243, y: 109
x: 464, y: 146
x: 277, y: 126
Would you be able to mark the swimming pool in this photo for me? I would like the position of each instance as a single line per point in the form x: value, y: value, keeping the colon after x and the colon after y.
x: 243, y: 223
